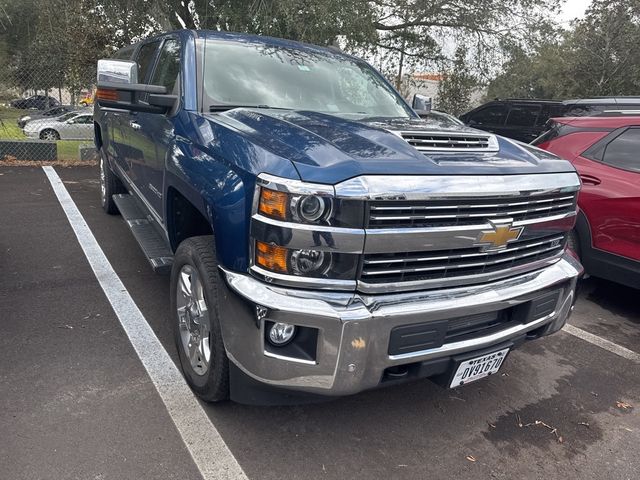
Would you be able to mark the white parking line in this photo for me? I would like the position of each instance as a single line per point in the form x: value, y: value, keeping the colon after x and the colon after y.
x: 209, y: 451
x: 603, y: 343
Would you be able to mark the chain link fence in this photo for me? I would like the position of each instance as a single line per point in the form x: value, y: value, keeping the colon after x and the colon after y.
x: 46, y: 114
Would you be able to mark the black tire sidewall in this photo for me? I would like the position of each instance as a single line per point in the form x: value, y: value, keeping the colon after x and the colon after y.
x: 199, y: 253
x: 55, y: 134
x: 112, y: 186
x: 574, y: 242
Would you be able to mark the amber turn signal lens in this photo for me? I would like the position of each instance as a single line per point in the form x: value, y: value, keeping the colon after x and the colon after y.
x: 106, y: 94
x: 273, y: 203
x: 271, y: 257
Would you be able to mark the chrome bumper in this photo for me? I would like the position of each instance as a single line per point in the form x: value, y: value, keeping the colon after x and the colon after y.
x: 354, y: 329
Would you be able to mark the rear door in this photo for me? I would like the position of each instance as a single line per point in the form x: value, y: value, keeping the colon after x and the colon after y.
x: 610, y: 195
x: 136, y: 143
x: 156, y: 129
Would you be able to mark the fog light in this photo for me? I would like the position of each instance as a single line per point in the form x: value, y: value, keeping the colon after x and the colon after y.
x: 281, y: 333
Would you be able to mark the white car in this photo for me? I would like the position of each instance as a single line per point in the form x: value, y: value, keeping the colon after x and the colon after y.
x: 70, y: 126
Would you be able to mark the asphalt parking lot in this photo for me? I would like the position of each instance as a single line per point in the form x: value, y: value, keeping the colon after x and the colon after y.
x: 77, y: 403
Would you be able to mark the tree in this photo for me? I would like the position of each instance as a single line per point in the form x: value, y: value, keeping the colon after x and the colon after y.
x: 597, y: 57
x: 455, y: 89
x: 537, y: 75
x: 602, y: 53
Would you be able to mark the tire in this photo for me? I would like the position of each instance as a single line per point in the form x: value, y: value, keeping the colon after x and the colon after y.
x: 573, y: 242
x: 196, y: 325
x: 49, y: 134
x: 110, y: 185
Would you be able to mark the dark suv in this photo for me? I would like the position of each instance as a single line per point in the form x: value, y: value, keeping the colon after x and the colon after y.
x: 589, y: 107
x: 520, y: 119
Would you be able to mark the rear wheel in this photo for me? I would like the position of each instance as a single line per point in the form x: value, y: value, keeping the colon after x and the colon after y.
x: 196, y: 326
x: 110, y: 185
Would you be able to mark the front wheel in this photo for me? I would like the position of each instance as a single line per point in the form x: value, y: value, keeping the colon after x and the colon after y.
x: 194, y: 307
x: 573, y: 242
x: 49, y: 134
x: 110, y: 185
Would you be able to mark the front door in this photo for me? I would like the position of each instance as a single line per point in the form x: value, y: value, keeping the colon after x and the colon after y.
x: 490, y: 119
x: 610, y: 194
x: 521, y: 122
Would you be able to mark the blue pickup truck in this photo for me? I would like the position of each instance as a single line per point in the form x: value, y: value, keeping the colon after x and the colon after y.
x: 323, y: 239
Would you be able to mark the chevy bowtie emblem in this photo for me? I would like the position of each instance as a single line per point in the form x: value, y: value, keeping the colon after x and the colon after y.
x: 499, y: 236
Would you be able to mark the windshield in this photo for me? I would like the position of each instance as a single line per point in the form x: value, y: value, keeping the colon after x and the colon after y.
x: 258, y: 75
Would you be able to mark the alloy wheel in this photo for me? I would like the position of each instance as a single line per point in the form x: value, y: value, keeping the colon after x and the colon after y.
x: 193, y: 318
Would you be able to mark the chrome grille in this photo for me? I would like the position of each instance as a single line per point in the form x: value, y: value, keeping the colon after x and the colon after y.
x: 445, y: 264
x: 466, y: 211
x: 449, y: 141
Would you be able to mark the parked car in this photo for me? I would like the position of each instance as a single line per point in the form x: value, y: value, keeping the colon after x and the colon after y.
x: 86, y: 100
x: 52, y: 112
x: 37, y: 102
x: 600, y: 105
x: 321, y: 238
x: 520, y: 119
x: 605, y: 151
x: 525, y: 119
x: 70, y: 126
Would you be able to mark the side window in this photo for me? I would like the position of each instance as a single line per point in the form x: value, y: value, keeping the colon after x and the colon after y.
x: 145, y: 59
x: 83, y: 119
x: 493, y: 115
x: 583, y: 110
x: 622, y: 151
x: 523, y: 115
x: 167, y: 72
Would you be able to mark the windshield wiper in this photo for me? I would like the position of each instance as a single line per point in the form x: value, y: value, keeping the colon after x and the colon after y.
x: 225, y: 107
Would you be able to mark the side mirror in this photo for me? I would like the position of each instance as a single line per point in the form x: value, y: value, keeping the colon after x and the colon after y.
x: 118, y: 89
x: 117, y: 71
x: 421, y: 104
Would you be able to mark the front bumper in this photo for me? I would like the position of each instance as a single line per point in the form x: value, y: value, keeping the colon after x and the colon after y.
x: 354, y: 329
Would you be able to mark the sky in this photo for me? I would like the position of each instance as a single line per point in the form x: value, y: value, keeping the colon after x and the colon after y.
x: 573, y: 9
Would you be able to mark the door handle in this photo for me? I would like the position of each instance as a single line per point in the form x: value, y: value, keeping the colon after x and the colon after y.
x: 590, y: 180
x: 135, y: 125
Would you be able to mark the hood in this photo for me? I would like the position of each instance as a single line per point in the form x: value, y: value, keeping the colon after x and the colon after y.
x: 328, y: 149
x: 36, y: 121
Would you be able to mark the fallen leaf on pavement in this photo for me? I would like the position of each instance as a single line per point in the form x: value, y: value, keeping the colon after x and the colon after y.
x: 623, y: 405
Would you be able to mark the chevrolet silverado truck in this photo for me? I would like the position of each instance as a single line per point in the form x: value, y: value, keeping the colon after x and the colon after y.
x: 323, y: 239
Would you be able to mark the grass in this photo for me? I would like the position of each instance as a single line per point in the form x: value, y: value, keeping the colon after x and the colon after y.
x: 68, y: 150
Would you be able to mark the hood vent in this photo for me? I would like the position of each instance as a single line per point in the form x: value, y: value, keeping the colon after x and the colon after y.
x: 450, y: 141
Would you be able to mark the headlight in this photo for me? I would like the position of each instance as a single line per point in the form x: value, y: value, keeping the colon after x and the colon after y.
x: 303, y: 235
x: 297, y: 208
x: 305, y: 263
x: 310, y: 209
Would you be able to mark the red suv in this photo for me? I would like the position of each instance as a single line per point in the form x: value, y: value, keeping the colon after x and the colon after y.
x: 606, y: 152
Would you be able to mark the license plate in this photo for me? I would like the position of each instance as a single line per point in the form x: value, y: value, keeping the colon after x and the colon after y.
x: 479, y: 367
